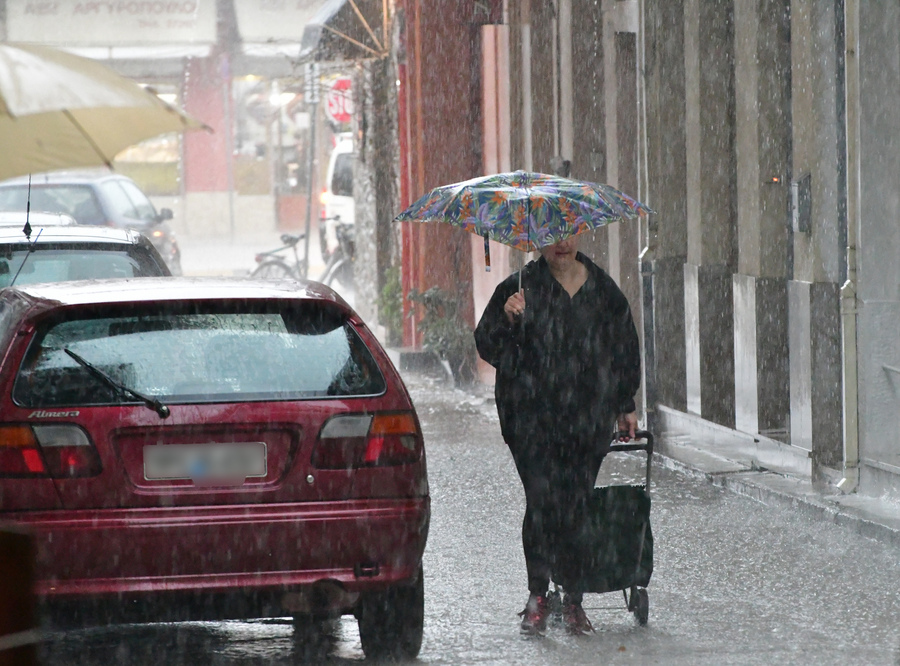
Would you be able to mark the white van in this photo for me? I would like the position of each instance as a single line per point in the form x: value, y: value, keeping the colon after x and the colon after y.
x: 337, y: 197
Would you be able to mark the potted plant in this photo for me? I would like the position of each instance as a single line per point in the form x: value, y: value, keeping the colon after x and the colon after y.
x: 446, y: 333
x: 390, y: 307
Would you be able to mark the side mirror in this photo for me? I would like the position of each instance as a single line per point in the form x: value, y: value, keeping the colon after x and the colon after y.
x: 164, y: 214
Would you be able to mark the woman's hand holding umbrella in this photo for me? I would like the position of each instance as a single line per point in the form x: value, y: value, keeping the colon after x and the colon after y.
x: 514, y: 306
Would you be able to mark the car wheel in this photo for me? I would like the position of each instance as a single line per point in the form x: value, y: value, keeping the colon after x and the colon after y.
x: 272, y: 269
x: 391, y: 623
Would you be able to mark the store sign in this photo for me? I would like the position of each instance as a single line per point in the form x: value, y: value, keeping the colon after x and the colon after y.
x: 78, y: 23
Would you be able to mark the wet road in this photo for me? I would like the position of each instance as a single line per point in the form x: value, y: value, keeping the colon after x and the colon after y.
x: 735, y: 581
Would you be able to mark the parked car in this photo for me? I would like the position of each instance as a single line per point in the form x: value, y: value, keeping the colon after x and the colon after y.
x: 75, y: 252
x: 95, y: 198
x: 206, y: 448
x: 338, y: 206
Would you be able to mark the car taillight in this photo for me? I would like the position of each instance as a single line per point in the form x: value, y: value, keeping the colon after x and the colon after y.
x: 394, y: 439
x: 57, y: 451
x: 323, y: 199
x: 19, y: 453
x: 368, y: 440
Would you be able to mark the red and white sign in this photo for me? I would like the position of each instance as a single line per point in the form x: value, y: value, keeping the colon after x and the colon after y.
x: 339, y: 101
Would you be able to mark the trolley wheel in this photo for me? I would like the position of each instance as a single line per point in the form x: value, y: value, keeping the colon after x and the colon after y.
x: 273, y: 269
x: 641, y: 605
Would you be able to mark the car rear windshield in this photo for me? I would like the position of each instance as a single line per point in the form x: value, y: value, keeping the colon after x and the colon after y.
x: 75, y: 200
x: 199, y: 353
x: 342, y: 178
x: 55, y: 263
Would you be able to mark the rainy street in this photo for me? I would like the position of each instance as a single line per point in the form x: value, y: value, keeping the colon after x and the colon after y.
x: 680, y: 212
x: 735, y: 581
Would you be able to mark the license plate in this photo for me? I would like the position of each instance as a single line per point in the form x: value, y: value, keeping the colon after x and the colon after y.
x: 230, y: 463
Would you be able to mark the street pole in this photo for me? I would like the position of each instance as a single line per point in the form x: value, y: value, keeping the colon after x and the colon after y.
x: 311, y: 94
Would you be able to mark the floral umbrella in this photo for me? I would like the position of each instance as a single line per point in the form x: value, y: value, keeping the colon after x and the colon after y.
x: 524, y: 210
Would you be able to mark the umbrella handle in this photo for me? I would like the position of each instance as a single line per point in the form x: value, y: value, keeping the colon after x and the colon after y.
x: 522, y: 318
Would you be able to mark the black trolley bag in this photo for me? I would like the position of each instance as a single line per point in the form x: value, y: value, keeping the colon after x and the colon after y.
x: 615, y: 546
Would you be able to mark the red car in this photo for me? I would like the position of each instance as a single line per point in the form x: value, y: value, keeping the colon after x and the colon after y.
x: 198, y: 448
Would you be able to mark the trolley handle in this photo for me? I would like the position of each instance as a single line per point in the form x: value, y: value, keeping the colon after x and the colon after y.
x: 624, y: 442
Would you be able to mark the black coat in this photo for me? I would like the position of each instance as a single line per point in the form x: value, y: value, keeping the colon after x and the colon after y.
x: 567, y: 366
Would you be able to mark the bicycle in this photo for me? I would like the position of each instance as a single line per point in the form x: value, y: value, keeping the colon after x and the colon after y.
x: 272, y: 264
x: 340, y: 263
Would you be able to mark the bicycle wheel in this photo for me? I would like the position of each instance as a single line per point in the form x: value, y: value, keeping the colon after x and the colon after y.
x: 339, y: 276
x: 273, y: 268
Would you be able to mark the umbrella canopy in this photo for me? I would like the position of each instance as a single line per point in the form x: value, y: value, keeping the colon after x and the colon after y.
x: 524, y: 210
x: 58, y: 111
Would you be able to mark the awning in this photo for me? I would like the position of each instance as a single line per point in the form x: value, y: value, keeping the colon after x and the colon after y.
x: 348, y: 30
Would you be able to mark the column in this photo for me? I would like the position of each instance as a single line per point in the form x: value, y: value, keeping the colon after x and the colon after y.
x: 667, y: 167
x: 711, y: 207
x: 818, y: 251
x: 763, y: 152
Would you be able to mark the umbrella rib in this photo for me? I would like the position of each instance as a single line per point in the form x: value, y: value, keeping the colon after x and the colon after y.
x: 87, y: 138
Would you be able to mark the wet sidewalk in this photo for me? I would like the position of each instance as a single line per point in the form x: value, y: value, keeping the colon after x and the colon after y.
x: 770, y: 472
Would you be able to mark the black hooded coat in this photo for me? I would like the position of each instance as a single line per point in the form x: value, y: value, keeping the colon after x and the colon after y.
x: 569, y: 365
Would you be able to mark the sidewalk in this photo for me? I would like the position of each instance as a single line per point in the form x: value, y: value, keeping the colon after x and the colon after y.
x: 766, y: 470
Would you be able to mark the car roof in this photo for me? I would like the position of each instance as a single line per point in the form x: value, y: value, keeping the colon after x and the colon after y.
x: 173, y: 289
x: 35, y: 219
x: 58, y: 177
x: 81, y: 233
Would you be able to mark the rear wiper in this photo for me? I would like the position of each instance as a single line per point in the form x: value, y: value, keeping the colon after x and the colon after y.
x: 121, y: 389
